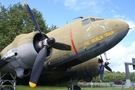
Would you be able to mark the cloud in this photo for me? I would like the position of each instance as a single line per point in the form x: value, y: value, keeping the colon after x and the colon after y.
x: 113, y: 11
x: 119, y: 55
x: 55, y: 1
x: 70, y: 3
x: 93, y: 5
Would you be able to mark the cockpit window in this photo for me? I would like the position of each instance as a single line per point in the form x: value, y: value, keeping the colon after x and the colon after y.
x: 85, y: 21
x: 92, y: 19
x: 99, y: 19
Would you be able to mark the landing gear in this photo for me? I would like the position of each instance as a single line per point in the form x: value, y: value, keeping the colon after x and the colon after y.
x: 2, y: 81
x: 73, y: 85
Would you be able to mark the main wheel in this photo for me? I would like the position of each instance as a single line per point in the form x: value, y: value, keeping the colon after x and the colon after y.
x: 76, y: 87
x: 7, y: 88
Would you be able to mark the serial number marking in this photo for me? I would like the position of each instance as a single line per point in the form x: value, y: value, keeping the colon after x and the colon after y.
x: 96, y: 39
x: 107, y: 34
x: 99, y: 38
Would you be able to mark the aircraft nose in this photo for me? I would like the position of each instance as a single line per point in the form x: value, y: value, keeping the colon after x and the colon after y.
x: 122, y: 28
x: 121, y: 24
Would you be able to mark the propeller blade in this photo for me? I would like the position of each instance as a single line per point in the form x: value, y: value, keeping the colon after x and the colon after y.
x: 108, y: 68
x: 32, y: 17
x: 101, y: 57
x: 101, y: 73
x: 37, y: 67
x: 106, y: 56
x: 61, y: 46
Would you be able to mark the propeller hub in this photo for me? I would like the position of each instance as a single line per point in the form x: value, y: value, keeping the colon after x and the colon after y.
x: 106, y: 63
x: 48, y: 41
x: 51, y: 41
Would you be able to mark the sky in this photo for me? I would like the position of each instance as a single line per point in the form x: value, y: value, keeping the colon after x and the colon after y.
x: 59, y: 12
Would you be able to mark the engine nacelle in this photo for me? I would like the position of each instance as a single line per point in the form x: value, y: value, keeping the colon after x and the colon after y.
x: 29, y: 47
x: 22, y: 52
x: 88, y: 69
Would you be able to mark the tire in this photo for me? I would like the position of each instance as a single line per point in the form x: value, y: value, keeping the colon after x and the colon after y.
x: 7, y: 88
x: 76, y: 88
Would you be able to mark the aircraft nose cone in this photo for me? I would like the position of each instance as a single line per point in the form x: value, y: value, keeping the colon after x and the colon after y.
x: 122, y: 28
x: 121, y: 23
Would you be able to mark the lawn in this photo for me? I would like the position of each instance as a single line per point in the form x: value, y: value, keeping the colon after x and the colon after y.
x: 19, y: 87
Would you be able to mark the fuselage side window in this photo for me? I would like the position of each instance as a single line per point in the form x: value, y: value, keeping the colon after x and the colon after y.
x: 92, y: 19
x: 85, y: 21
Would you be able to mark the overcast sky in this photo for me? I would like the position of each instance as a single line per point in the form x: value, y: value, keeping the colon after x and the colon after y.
x: 59, y: 12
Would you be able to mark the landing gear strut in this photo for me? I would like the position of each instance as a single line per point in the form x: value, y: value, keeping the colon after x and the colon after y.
x: 2, y: 81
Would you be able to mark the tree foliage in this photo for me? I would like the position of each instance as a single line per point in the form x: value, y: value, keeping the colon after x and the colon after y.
x: 112, y: 76
x: 14, y: 20
x: 53, y: 27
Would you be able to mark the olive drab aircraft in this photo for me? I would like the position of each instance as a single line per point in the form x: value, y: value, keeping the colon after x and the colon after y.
x: 64, y: 55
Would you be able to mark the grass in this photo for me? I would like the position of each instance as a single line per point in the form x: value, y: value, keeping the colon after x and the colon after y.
x: 20, y: 87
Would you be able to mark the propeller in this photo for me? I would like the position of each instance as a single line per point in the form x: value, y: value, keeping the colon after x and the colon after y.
x: 103, y: 65
x: 56, y: 45
x: 41, y: 57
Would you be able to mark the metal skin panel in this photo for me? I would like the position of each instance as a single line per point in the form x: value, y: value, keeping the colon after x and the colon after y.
x: 89, y: 68
x: 27, y: 53
x: 85, y: 70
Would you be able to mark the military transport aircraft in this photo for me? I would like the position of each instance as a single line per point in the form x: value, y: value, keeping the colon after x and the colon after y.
x: 64, y: 55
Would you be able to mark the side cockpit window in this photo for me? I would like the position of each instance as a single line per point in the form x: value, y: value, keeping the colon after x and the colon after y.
x: 89, y: 20
x: 92, y: 19
x: 99, y: 19
x: 85, y: 21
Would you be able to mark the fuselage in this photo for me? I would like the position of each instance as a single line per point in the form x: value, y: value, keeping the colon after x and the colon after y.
x: 88, y: 37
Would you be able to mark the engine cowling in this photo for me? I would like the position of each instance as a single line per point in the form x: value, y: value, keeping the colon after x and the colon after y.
x: 29, y: 46
x: 22, y: 52
x: 88, y: 69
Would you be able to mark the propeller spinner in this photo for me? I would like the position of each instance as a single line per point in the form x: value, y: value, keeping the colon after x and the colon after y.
x: 41, y: 57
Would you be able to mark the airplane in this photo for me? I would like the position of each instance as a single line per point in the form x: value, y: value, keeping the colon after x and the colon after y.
x: 64, y: 55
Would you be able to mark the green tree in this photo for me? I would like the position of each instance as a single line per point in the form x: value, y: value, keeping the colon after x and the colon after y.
x: 53, y: 27
x: 112, y: 76
x: 14, y: 20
